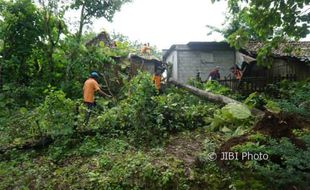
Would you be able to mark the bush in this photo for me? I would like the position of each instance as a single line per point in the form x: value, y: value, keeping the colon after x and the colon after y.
x: 287, y: 165
x: 292, y: 97
x: 147, y: 116
x: 233, y: 119
x: 55, y: 116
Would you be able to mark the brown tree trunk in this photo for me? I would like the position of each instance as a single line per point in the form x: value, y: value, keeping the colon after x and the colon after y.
x: 216, y: 98
x: 79, y: 35
x: 1, y: 78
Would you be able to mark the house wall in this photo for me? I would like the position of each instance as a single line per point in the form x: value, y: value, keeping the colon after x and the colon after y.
x: 150, y: 67
x: 173, y: 60
x: 192, y: 61
x: 137, y: 64
x: 281, y: 67
x: 284, y: 67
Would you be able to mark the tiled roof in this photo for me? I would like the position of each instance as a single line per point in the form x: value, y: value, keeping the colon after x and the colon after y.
x: 301, y: 50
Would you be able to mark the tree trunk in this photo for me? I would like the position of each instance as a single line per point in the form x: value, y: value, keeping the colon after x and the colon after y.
x: 50, y: 61
x: 45, y: 141
x: 22, y: 72
x: 82, y: 18
x: 1, y: 78
x: 216, y: 98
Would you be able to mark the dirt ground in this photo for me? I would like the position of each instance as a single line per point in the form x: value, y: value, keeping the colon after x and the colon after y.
x: 275, y: 126
x: 186, y: 147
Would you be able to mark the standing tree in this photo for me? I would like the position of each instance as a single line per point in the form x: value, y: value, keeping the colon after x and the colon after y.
x: 21, y: 33
x: 96, y: 9
x: 268, y: 21
x: 53, y: 26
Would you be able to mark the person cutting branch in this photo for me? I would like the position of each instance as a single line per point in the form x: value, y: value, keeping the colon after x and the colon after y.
x: 90, y: 87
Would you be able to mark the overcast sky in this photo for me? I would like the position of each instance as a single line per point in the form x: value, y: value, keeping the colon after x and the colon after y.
x: 166, y: 22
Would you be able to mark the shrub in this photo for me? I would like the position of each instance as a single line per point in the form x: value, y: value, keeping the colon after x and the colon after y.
x: 233, y: 119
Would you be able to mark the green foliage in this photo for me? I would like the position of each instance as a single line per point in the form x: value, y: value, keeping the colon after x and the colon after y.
x: 296, y: 92
x: 56, y: 114
x: 270, y: 22
x: 96, y: 9
x: 115, y: 150
x: 238, y: 39
x: 54, y: 117
x: 217, y: 88
x: 273, y: 107
x: 23, y: 96
x: 292, y: 97
x: 211, y: 86
x: 136, y: 111
x: 148, y: 117
x: 255, y: 100
x: 260, y: 101
x: 108, y: 164
x: 196, y: 83
x: 179, y: 110
x: 233, y: 119
x: 286, y: 164
x: 53, y: 26
x: 237, y: 111
x: 21, y: 31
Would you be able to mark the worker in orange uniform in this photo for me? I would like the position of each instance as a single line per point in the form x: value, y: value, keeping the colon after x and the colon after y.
x: 90, y: 87
x: 157, y: 79
x: 236, y: 71
x: 146, y: 49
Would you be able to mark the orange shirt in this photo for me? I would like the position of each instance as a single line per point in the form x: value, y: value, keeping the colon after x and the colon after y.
x: 237, y: 74
x: 89, y: 89
x: 156, y: 80
x: 145, y: 49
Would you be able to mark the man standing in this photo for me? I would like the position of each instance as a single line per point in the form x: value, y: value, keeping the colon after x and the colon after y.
x: 156, y: 79
x: 146, y: 50
x: 215, y: 74
x: 90, y: 87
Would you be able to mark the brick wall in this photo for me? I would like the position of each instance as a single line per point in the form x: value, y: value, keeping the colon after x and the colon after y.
x: 189, y: 62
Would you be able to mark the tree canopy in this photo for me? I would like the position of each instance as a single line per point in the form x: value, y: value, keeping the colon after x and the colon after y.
x: 141, y: 138
x: 21, y: 31
x: 96, y: 9
x: 268, y: 21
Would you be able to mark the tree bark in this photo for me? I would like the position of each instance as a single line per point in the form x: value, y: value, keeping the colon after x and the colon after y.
x: 216, y: 98
x: 1, y: 78
x: 82, y: 18
x: 45, y: 141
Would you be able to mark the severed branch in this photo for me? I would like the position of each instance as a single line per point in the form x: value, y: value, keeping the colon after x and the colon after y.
x: 216, y: 98
x: 107, y: 84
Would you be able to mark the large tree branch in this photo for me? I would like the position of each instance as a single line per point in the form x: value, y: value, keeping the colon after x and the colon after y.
x: 217, y: 98
x: 45, y: 141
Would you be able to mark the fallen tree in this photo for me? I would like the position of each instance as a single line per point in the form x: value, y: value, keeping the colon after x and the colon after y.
x: 36, y: 143
x: 216, y: 98
x: 44, y: 141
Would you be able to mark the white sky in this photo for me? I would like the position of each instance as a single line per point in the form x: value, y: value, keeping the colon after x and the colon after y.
x: 166, y: 22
